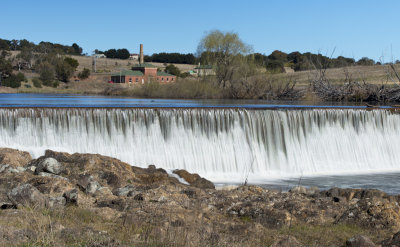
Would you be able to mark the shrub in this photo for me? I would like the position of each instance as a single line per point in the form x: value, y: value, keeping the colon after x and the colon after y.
x: 184, y: 74
x: 84, y: 74
x: 64, y: 71
x: 46, y: 74
x: 172, y: 69
x: 21, y: 77
x: 72, y: 62
x: 37, y: 82
x: 12, y: 81
x: 55, y: 84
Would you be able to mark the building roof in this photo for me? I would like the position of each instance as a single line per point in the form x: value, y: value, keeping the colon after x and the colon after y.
x: 143, y: 65
x: 161, y: 73
x: 204, y: 67
x: 128, y: 72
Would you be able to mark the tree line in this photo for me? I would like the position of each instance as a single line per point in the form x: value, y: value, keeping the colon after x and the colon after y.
x: 42, y: 47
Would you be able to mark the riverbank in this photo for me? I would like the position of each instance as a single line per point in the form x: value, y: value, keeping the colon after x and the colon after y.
x: 65, y: 199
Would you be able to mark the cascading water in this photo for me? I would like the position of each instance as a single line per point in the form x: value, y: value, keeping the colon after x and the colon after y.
x: 220, y: 144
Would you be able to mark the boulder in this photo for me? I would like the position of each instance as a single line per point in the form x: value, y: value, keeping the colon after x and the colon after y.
x: 359, y: 241
x: 194, y: 179
x: 14, y: 157
x: 124, y: 190
x: 71, y: 196
x: 27, y: 195
x: 56, y: 202
x: 49, y: 165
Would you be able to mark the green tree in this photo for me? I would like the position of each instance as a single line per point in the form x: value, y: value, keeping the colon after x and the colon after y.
x: 365, y: 61
x: 64, y: 71
x: 25, y: 58
x: 46, y: 73
x: 72, y: 62
x: 5, y: 65
x: 225, y: 51
x: 173, y: 70
x: 76, y: 49
x: 12, y: 81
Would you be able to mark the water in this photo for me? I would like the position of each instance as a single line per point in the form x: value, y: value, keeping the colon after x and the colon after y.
x: 266, y: 144
x: 67, y: 100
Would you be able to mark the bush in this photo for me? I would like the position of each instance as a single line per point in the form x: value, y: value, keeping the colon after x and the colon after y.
x: 72, y: 62
x: 55, y: 84
x: 274, y: 66
x: 37, y: 82
x: 184, y: 74
x: 84, y: 74
x: 173, y: 70
x: 21, y: 77
x: 64, y: 71
x: 46, y: 74
x: 12, y: 81
x: 27, y: 86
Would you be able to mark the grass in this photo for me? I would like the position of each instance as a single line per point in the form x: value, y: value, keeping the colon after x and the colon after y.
x: 75, y: 226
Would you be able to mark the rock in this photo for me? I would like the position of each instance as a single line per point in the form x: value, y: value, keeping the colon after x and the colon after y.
x: 359, y: 241
x: 4, y: 167
x: 92, y: 187
x: 57, y: 202
x: 124, y: 191
x: 50, y: 165
x: 27, y: 195
x: 287, y: 241
x: 194, y: 179
x: 14, y: 158
x: 71, y: 196
x: 46, y: 174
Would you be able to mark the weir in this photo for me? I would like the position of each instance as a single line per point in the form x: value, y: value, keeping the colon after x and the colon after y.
x: 224, y: 145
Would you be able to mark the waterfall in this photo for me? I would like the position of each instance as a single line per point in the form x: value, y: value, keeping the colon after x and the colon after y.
x: 219, y: 144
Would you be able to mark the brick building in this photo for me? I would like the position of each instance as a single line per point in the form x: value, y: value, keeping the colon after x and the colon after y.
x: 141, y: 73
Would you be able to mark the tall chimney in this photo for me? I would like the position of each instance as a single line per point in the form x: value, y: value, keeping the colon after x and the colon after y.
x: 141, y: 59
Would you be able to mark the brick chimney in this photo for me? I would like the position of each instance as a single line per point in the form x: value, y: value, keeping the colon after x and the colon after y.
x: 141, y: 58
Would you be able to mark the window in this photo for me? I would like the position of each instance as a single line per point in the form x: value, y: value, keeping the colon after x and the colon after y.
x: 130, y: 80
x: 137, y: 79
x: 162, y: 78
x: 172, y: 79
x: 167, y: 78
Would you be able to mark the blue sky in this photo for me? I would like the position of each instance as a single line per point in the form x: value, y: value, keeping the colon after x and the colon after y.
x: 356, y: 28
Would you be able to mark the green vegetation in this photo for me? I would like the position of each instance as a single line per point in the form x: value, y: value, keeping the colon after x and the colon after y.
x: 113, y: 53
x: 42, y: 47
x: 173, y: 70
x: 171, y: 58
x: 84, y: 74
x: 37, y: 82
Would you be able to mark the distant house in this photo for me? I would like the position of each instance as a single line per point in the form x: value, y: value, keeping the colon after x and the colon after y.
x: 99, y: 56
x: 204, y: 70
x: 134, y: 56
x: 142, y: 73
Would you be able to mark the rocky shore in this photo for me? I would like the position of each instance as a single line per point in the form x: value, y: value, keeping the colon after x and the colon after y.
x: 63, y: 199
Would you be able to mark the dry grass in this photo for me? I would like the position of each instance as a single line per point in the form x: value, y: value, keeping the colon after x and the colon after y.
x: 75, y: 226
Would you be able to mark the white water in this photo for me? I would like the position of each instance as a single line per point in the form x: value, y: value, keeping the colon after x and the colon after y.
x: 220, y: 144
